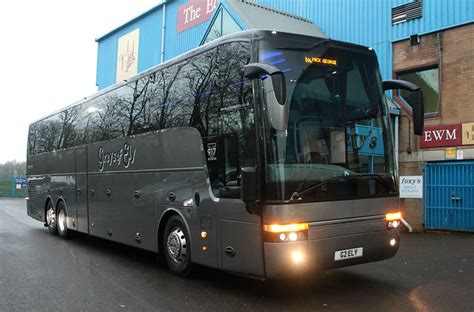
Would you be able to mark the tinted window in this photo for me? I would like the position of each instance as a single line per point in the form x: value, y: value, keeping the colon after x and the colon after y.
x: 230, y: 139
x: 164, y: 97
x: 193, y: 93
x: 48, y: 134
x: 70, y: 133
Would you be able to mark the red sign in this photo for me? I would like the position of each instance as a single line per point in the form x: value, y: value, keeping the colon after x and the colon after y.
x: 441, y: 136
x: 194, y: 13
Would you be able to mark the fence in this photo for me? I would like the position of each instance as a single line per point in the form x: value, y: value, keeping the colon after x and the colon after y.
x: 13, y: 186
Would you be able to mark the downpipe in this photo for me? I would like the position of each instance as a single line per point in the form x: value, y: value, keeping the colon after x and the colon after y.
x: 407, y: 225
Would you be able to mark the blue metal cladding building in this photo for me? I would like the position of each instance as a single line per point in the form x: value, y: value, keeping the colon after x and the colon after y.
x: 409, y: 36
x: 366, y: 22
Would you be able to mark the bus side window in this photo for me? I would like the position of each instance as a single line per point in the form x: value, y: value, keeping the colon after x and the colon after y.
x: 233, y: 136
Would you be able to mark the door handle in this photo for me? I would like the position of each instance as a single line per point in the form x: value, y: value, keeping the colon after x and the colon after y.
x: 136, y: 194
x: 108, y: 193
x: 92, y: 192
x: 79, y: 191
x: 454, y: 197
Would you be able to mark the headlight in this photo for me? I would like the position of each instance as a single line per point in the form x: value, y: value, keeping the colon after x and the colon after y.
x: 285, y: 232
x: 393, y: 219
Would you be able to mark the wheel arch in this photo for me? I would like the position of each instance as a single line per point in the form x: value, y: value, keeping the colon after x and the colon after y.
x: 61, y: 200
x: 46, y: 202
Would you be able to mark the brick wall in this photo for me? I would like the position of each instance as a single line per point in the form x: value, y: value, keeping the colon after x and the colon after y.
x: 452, y: 51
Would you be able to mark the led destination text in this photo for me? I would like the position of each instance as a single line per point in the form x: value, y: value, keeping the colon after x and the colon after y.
x: 319, y: 60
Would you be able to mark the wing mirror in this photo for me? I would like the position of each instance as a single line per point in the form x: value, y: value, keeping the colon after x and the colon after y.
x: 415, y: 99
x: 275, y: 91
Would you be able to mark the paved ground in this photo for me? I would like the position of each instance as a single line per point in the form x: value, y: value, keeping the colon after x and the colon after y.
x: 40, y: 272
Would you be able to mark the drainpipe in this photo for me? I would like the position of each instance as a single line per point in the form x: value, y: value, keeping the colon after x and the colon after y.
x: 163, y: 32
x: 405, y: 222
x: 396, y: 143
x: 407, y: 225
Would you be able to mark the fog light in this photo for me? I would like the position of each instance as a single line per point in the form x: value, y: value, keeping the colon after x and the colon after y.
x: 297, y: 257
x: 393, y: 242
x: 293, y: 236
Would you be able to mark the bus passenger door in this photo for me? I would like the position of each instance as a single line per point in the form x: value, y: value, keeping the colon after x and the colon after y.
x: 240, y: 232
x: 80, y: 213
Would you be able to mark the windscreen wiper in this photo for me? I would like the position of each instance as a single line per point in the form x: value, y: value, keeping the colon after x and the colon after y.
x: 299, y: 195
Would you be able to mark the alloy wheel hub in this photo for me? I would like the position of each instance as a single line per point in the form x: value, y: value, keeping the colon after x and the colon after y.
x: 50, y: 217
x: 176, y: 245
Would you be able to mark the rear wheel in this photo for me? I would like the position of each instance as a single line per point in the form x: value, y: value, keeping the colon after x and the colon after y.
x: 61, y: 221
x: 177, y: 247
x: 51, y: 218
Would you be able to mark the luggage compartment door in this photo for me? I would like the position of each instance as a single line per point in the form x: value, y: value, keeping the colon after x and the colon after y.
x: 80, y: 213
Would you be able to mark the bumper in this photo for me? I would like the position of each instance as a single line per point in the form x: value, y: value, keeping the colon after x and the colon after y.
x: 290, y: 259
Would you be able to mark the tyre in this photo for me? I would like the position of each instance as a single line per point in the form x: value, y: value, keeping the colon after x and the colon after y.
x: 177, y: 247
x: 51, y: 218
x: 62, y: 220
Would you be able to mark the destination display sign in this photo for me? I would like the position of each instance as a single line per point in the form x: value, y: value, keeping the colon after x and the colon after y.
x: 320, y: 60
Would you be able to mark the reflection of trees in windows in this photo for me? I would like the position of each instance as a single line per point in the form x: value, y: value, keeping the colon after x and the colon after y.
x: 191, y: 93
x: 200, y: 75
x: 165, y: 89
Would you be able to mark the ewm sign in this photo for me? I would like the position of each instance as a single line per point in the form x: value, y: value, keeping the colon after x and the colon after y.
x: 194, y: 13
x: 441, y: 136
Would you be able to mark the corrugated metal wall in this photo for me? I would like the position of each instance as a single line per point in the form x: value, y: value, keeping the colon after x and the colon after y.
x: 177, y: 44
x: 366, y: 22
x: 437, y: 14
x: 148, y: 50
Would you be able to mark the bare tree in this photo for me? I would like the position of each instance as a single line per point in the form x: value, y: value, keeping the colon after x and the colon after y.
x: 13, y: 168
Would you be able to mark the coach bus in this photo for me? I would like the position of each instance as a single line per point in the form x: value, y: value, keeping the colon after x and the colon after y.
x: 261, y: 153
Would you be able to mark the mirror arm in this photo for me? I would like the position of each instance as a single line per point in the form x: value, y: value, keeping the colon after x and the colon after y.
x: 254, y: 70
x: 399, y: 84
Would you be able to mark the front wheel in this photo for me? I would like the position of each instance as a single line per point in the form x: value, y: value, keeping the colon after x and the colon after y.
x: 62, y: 221
x: 177, y: 247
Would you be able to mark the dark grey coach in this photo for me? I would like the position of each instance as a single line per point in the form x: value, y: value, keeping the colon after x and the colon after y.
x: 261, y: 153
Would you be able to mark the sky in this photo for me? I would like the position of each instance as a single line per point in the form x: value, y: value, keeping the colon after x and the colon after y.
x: 48, y: 58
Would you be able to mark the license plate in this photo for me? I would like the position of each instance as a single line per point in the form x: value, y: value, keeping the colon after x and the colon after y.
x: 348, y: 254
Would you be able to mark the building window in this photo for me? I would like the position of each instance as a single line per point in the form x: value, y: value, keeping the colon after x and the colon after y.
x: 427, y: 79
x: 223, y: 25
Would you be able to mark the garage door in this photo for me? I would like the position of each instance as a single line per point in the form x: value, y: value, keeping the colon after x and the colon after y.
x: 449, y: 196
